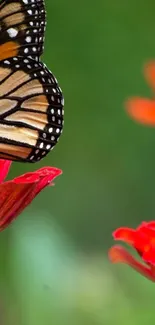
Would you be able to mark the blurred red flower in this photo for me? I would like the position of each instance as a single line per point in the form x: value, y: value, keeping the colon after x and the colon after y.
x: 17, y: 194
x: 142, y: 239
x: 142, y: 109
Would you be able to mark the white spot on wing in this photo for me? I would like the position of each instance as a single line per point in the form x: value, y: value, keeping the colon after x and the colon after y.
x: 28, y: 39
x: 12, y: 32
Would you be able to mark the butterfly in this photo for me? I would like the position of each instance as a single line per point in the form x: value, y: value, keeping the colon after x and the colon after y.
x: 31, y: 101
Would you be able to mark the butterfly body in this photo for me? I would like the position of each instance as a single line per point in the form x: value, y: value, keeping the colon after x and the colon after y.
x: 31, y: 101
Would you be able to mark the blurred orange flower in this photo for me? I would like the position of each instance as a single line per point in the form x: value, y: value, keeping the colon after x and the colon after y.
x: 142, y: 239
x: 143, y: 109
x: 18, y: 193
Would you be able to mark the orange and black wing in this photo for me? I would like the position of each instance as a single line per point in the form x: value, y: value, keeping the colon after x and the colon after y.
x: 22, y: 27
x: 31, y: 109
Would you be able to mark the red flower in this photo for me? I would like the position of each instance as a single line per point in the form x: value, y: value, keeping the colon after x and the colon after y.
x: 16, y: 194
x: 143, y: 109
x: 142, y: 239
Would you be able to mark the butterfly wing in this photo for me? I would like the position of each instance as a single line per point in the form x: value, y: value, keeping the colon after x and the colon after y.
x: 22, y: 27
x: 31, y: 110
x: 31, y: 102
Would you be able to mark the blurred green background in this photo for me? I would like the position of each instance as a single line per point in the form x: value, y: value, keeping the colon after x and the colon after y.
x: 54, y: 266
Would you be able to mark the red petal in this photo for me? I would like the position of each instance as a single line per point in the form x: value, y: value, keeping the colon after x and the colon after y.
x: 146, y: 232
x: 27, y: 178
x: 127, y: 235
x: 139, y: 239
x: 141, y: 110
x: 47, y: 175
x: 149, y: 255
x: 4, y: 168
x: 150, y: 224
x: 149, y: 71
x: 118, y: 254
x: 18, y: 193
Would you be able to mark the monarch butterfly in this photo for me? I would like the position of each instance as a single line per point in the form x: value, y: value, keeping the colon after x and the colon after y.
x: 31, y: 102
